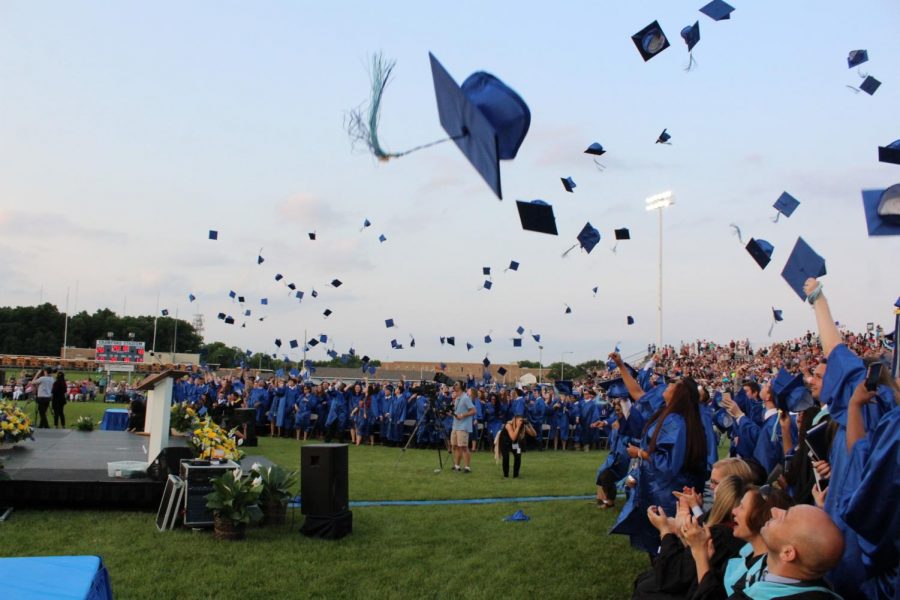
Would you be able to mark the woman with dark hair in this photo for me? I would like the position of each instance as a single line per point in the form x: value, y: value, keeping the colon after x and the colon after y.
x: 672, y: 456
x: 58, y: 400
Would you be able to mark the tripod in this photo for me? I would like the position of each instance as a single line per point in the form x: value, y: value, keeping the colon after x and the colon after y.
x: 431, y: 417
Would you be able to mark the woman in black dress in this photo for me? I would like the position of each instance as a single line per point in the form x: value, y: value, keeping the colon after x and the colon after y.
x: 58, y: 400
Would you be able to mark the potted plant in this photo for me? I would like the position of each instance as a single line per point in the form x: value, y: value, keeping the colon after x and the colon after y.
x: 276, y: 491
x: 233, y: 503
x: 84, y: 423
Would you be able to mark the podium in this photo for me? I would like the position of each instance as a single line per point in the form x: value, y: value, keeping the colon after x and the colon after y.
x: 159, y: 407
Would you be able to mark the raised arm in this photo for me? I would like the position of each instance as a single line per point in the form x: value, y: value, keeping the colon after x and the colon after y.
x: 828, y: 331
x: 631, y: 384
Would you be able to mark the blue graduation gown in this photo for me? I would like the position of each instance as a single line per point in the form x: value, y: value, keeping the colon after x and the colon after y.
x: 617, y: 460
x: 337, y: 409
x: 276, y: 406
x: 770, y: 453
x: 712, y: 442
x: 398, y: 415
x: 259, y: 401
x: 301, y: 419
x: 284, y: 416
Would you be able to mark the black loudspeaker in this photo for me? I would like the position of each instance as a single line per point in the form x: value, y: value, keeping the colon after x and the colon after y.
x: 323, y: 479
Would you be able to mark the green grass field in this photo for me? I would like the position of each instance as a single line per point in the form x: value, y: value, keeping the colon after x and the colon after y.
x: 455, y: 551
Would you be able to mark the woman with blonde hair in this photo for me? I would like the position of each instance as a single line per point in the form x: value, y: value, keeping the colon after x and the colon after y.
x: 510, y: 440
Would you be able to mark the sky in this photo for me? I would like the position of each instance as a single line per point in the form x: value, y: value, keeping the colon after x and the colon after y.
x: 129, y: 130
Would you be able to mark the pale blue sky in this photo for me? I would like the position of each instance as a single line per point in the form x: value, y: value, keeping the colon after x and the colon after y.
x: 128, y: 130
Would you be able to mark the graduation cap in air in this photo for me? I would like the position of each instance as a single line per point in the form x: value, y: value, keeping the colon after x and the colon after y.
x: 278, y: 342
x: 568, y: 309
x: 587, y: 238
x: 790, y: 393
x: 294, y: 344
x: 312, y: 343
x: 513, y: 266
x: 691, y: 35
x: 323, y: 338
x: 327, y: 313
x: 777, y: 316
x: 240, y: 299
x: 165, y: 312
x: 596, y: 149
x: 870, y: 85
x: 485, y: 270
x: 615, y: 388
x: 488, y: 339
x: 517, y: 342
x: 395, y: 345
x: 333, y: 353
x: 761, y: 251
x: 488, y: 284
x: 278, y: 276
x: 621, y: 234
x: 629, y: 320
x: 221, y: 316
x: 229, y: 320
x: 802, y: 264
x: 520, y: 330
x: 314, y: 294
x: 568, y: 184
x: 563, y: 386
x: 388, y: 323
x: 451, y: 340
x: 264, y: 301
x: 412, y: 341
x: 232, y: 294
x: 382, y: 238
x: 882, y: 210
x: 366, y: 223
x: 292, y: 286
x: 501, y: 371
x: 536, y: 337
x: 312, y: 235
x: 247, y: 313
x: 785, y: 205
x: 469, y: 346
x: 856, y: 58
x: 890, y: 153
x: 664, y: 137
x: 650, y: 41
x: 717, y: 10
x: 191, y: 297
x: 537, y: 216
x: 443, y: 340
x: 213, y: 234
x: 596, y: 289
x: 259, y: 259
x: 298, y: 294
x: 336, y: 283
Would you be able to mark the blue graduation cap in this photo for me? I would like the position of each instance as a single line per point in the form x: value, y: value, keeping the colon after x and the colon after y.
x: 294, y: 344
x: 191, y: 297
x: 486, y: 119
x: 372, y: 369
x: 345, y: 358
x: 596, y: 149
x: 501, y: 371
x: 366, y: 223
x: 520, y: 330
x: 232, y: 294
x: 323, y: 338
x: 650, y: 41
x: 336, y: 283
x: 165, y: 312
x: 488, y: 339
x: 587, y: 238
x: 537, y: 216
x: 394, y: 344
x: 298, y: 294
x: 537, y: 337
x: 278, y: 342
x: 563, y: 386
x: 469, y: 346
x: 264, y: 301
x: 388, y: 323
x: 802, y: 264
x: 568, y: 310
x: 890, y: 153
x: 777, y: 314
x: 568, y: 184
x: 259, y: 259
x: 595, y: 289
x: 717, y: 10
x: 312, y: 343
x: 486, y: 362
x: 513, y: 266
x: 333, y: 353
x: 882, y: 210
x: 517, y: 516
x: 790, y: 393
x: 221, y: 316
x: 451, y: 340
x: 761, y: 251
x: 229, y: 320
x: 517, y: 342
x: 488, y: 284
x: 785, y: 205
x: 870, y: 85
x: 615, y: 388
x: 664, y: 137
x: 856, y: 58
x: 279, y: 373
x: 327, y: 312
x: 630, y: 320
x: 485, y: 270
x: 278, y: 276
x: 382, y: 238
x: 691, y: 35
x: 213, y: 234
x: 312, y: 235
x: 247, y: 313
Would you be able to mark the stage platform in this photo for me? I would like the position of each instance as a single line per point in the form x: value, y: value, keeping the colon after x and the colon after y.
x: 63, y: 468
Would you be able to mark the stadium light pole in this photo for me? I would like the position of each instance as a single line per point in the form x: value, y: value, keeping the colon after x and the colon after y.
x: 658, y: 202
x: 540, y: 364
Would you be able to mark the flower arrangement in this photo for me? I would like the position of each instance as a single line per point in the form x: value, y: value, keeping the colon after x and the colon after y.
x: 211, y: 441
x: 84, y: 423
x: 15, y: 425
x: 233, y: 502
x: 183, y: 417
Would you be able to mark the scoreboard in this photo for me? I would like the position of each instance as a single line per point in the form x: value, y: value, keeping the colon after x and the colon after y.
x: 119, y: 352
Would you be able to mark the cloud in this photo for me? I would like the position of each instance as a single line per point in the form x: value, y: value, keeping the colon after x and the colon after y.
x: 15, y: 224
x: 307, y: 209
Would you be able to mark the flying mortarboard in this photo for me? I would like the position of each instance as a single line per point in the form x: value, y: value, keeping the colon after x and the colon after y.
x: 537, y: 216
x: 229, y: 320
x: 630, y: 320
x: 664, y: 137
x: 563, y: 386
x: 388, y: 323
x: 221, y: 316
x: 513, y: 265
x: 537, y: 337
x: 412, y: 341
x: 443, y: 340
x: 191, y: 297
x: 294, y: 344
x: 596, y: 289
x: 869, y: 85
x: 568, y: 310
x: 777, y: 314
x: 312, y: 235
x: 485, y: 270
x: 247, y: 313
x: 298, y: 294
x: 596, y: 149
x: 165, y: 312
x: 761, y: 251
x: 568, y: 184
x: 587, y: 238
x: 785, y: 205
x: 314, y: 294
x: 323, y: 338
x: 890, y: 153
x: 213, y: 234
x: 802, y: 264
x: 279, y: 277
x: 691, y: 35
x: 486, y: 362
x: 623, y: 234
x: 488, y: 284
x: 278, y: 342
x: 650, y: 41
x: 520, y: 330
x: 487, y: 339
x: 232, y: 294
x: 327, y: 312
x: 717, y: 10
x: 486, y: 119
x: 240, y: 299
x: 517, y: 342
x: 259, y: 259
x: 292, y: 286
x: 856, y: 58
x: 382, y: 238
x: 394, y: 344
x: 501, y: 371
x: 336, y: 283
x: 366, y: 223
x: 469, y: 346
x: 451, y: 340
x: 333, y: 353
x: 882, y: 210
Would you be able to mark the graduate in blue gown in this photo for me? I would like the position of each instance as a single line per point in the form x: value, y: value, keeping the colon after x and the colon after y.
x: 338, y: 413
x: 397, y: 415
x: 615, y: 467
x: 276, y: 407
x: 258, y: 400
x: 284, y: 417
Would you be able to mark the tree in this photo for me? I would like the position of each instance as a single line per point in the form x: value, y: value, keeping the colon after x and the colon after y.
x: 529, y: 364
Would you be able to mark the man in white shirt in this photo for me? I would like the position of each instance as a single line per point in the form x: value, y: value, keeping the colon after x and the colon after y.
x: 44, y: 383
x: 463, y: 413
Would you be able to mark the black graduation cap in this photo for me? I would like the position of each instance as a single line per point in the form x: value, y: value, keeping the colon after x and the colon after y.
x: 485, y: 270
x: 278, y: 276
x: 856, y: 58
x: 596, y: 149
x: 313, y: 342
x: 469, y: 346
x: 691, y: 35
x: 623, y: 234
x: 382, y: 238
x: 890, y: 153
x: 802, y: 264
x: 229, y: 320
x: 292, y: 286
x: 451, y: 340
x: 664, y: 137
x: 568, y: 310
x: 488, y: 284
x: 501, y: 371
x: 294, y: 344
x: 191, y: 297
x: 488, y: 339
x: 221, y: 316
x: 165, y: 312
x: 517, y: 342
x: 486, y: 362
x: 650, y: 41
x: 240, y: 299
x: 327, y: 312
x: 412, y: 341
x: 259, y: 259
x: 563, y: 386
x: 717, y: 10
x: 365, y: 359
x: 777, y: 314
x: 314, y: 294
x: 213, y: 234
x: 537, y: 216
x: 486, y: 119
x: 312, y: 235
x: 869, y: 85
x: 785, y: 205
x: 336, y: 283
x: 513, y: 266
x: 278, y: 342
x: 882, y: 210
x: 568, y: 184
x: 298, y: 294
x: 630, y: 320
x: 761, y: 251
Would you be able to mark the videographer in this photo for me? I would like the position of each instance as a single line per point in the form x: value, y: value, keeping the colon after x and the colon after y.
x: 463, y: 413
